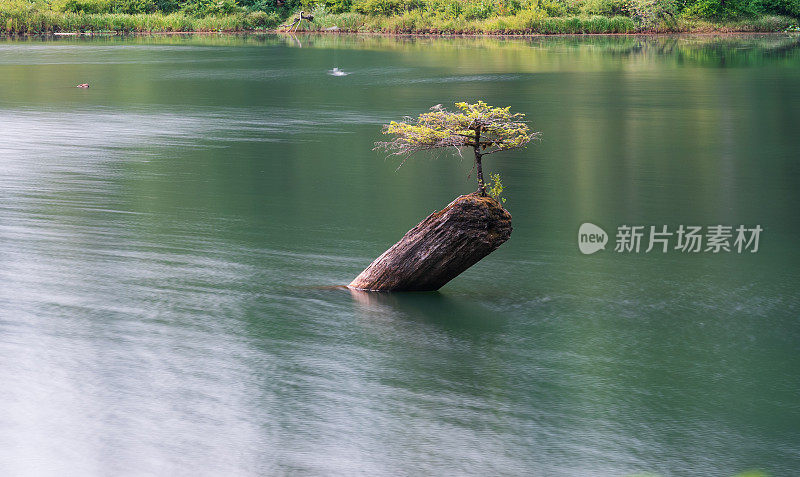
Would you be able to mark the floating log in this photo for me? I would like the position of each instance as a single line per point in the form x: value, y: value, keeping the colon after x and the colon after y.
x: 440, y: 247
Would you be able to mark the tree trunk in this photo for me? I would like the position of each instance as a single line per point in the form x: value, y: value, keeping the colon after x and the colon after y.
x: 440, y: 247
x: 478, y: 166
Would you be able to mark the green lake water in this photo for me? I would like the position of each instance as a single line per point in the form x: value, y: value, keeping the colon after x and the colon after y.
x: 171, y: 239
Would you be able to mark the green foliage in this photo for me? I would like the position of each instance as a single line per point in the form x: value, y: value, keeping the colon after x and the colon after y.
x: 495, y: 188
x: 85, y: 6
x: 740, y: 9
x: 781, y: 7
x: 268, y: 6
x: 259, y: 19
x: 525, y: 22
x: 575, y: 25
x: 197, y: 8
x: 385, y: 7
x: 204, y: 8
x: 135, y: 6
x: 404, y: 16
x: 338, y: 6
x: 719, y: 9
x: 167, y: 6
x: 556, y: 8
x: 444, y: 9
x: 478, y: 11
x: 508, y: 7
x: 499, y: 129
x: 483, y: 128
x: 19, y: 17
x: 651, y: 14
x: 764, y: 24
x: 606, y: 7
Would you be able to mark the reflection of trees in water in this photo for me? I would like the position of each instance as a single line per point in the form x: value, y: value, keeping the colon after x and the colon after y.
x: 702, y: 50
x: 728, y: 50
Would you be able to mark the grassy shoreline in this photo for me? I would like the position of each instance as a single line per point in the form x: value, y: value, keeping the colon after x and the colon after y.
x: 42, y: 22
x: 527, y: 25
x: 49, y: 22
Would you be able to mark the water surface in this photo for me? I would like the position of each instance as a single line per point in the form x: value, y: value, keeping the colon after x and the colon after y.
x: 168, y: 237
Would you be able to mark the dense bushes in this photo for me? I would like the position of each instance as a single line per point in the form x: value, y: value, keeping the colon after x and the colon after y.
x: 26, y: 17
x: 650, y: 14
x: 196, y: 8
x: 571, y: 16
x: 404, y: 16
x: 645, y: 12
x: 606, y: 7
x: 420, y: 21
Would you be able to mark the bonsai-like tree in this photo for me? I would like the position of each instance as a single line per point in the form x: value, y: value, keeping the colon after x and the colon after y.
x: 484, y: 128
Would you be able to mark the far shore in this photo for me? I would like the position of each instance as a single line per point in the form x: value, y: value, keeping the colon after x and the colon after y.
x: 109, y: 33
x: 59, y: 23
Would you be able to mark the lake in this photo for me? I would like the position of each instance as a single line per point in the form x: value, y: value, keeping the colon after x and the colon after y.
x: 173, y: 241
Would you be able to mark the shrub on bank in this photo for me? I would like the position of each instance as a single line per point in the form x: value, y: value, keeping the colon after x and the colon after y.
x: 527, y: 22
x: 606, y: 7
x: 569, y: 16
x: 196, y: 8
x: 402, y: 16
x: 652, y: 14
x: 31, y: 21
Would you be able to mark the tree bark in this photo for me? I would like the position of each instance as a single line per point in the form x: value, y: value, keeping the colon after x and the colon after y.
x: 440, y: 247
x: 478, y: 165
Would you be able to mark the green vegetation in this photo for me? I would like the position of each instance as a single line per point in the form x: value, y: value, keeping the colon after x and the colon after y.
x: 495, y: 188
x: 557, y: 16
x: 23, y: 16
x: 43, y: 16
x: 486, y: 129
x: 521, y: 23
x: 403, y: 16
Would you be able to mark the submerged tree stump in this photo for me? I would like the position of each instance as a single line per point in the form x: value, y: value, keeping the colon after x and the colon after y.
x: 440, y: 247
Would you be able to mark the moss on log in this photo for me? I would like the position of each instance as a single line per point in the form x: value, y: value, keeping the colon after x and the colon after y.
x: 440, y: 247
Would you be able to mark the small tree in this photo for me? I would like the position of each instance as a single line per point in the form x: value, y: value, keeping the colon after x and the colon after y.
x: 484, y: 128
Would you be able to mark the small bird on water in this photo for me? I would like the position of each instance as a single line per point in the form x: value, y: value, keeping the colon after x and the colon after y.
x: 337, y: 72
x: 83, y: 85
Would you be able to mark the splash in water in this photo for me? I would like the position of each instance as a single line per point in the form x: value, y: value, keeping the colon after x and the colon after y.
x: 337, y: 72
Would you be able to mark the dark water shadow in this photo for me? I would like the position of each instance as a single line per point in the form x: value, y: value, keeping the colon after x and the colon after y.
x: 433, y: 308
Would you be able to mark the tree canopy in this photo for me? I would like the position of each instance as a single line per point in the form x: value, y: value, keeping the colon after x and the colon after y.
x: 500, y: 130
x: 486, y: 129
